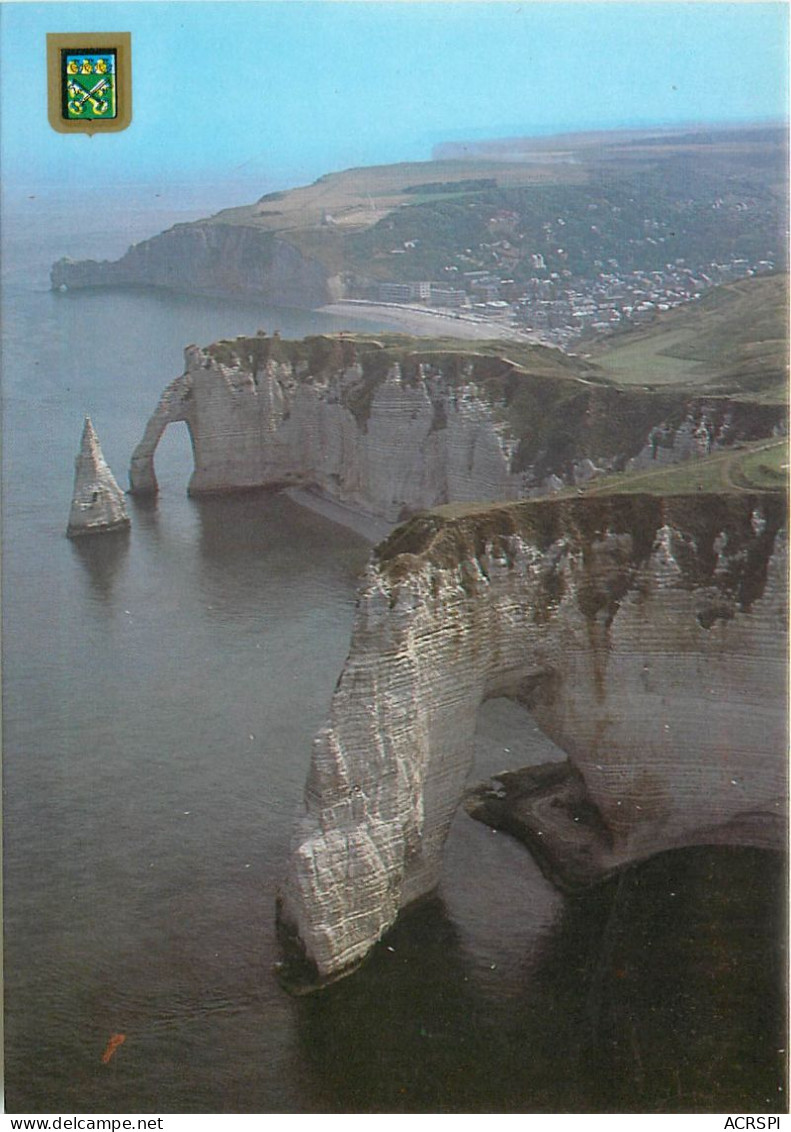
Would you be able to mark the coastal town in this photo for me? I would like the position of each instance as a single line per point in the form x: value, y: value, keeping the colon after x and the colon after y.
x: 576, y: 262
x: 556, y: 307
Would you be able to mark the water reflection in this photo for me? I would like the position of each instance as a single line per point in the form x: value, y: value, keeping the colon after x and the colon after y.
x: 661, y: 991
x: 685, y: 992
x: 233, y: 524
x: 144, y: 512
x: 103, y: 558
x: 247, y: 539
x: 403, y: 1034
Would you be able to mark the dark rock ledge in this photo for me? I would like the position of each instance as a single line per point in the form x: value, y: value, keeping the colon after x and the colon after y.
x: 547, y: 808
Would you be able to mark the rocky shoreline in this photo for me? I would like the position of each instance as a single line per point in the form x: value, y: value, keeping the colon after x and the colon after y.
x: 545, y: 807
x: 368, y: 527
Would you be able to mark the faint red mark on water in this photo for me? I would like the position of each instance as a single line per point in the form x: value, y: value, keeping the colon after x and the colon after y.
x: 115, y: 1041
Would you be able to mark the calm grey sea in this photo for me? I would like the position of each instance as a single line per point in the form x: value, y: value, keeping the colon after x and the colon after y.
x: 160, y: 693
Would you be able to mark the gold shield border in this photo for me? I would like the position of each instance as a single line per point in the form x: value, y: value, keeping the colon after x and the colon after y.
x: 122, y: 43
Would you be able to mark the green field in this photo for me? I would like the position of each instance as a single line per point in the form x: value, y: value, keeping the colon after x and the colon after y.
x: 766, y: 468
x: 734, y: 338
x: 356, y: 199
x: 643, y: 359
x: 760, y: 466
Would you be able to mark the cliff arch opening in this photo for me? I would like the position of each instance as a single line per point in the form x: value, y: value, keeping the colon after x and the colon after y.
x: 524, y: 785
x: 174, y: 449
x: 492, y: 886
x: 586, y: 613
x: 507, y: 738
x: 175, y: 457
x: 175, y: 404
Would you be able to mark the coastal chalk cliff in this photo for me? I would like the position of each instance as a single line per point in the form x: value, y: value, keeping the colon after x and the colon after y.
x: 394, y: 430
x: 210, y: 259
x: 645, y: 635
x: 388, y: 448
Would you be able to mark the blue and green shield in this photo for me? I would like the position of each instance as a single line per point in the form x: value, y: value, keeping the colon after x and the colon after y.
x: 89, y: 89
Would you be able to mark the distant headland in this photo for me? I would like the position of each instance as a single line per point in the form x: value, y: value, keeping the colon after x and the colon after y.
x: 557, y: 238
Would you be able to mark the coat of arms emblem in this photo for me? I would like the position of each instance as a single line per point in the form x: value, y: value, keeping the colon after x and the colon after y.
x: 90, y: 87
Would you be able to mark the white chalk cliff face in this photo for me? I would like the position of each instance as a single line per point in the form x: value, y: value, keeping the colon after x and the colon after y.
x: 390, y: 440
x: 411, y: 446
x: 646, y: 636
x: 98, y: 503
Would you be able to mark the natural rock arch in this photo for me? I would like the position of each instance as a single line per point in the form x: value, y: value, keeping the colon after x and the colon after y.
x: 175, y: 404
x: 380, y: 445
x: 647, y: 637
x: 390, y: 430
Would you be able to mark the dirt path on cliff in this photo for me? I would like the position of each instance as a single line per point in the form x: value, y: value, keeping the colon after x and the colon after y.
x: 709, y: 473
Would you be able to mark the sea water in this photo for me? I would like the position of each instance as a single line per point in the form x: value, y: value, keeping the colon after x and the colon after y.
x: 160, y: 694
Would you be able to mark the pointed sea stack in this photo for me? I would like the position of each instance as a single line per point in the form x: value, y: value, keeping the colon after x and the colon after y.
x: 97, y: 503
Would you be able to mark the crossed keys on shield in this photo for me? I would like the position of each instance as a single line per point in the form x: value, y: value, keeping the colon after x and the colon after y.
x: 100, y: 105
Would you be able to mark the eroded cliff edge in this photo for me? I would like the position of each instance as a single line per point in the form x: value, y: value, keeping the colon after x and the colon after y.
x: 646, y: 635
x: 391, y: 426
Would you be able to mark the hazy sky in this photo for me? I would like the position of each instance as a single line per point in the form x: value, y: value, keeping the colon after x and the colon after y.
x: 285, y: 91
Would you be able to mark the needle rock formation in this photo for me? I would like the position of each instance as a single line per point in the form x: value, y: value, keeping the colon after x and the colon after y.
x: 97, y: 503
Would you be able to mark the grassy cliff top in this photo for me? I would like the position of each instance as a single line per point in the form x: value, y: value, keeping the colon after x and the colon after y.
x: 760, y: 465
x: 355, y: 199
x: 323, y: 354
x: 358, y: 198
x: 733, y: 338
x: 733, y: 341
x: 756, y: 466
x: 558, y: 408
